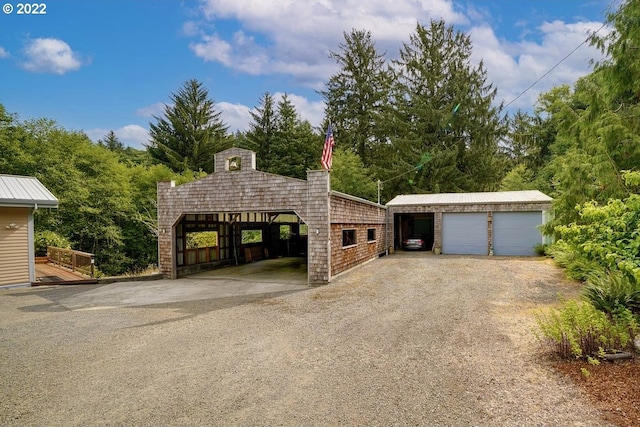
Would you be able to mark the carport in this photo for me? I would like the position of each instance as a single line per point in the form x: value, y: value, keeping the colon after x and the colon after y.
x: 502, y: 223
x: 241, y: 215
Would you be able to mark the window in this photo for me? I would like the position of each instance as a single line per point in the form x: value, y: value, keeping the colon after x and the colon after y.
x: 371, y: 234
x: 304, y: 230
x: 348, y: 237
x: 202, y: 239
x: 285, y: 232
x: 251, y: 236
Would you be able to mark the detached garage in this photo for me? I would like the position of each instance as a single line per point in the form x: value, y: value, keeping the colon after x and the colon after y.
x: 502, y: 223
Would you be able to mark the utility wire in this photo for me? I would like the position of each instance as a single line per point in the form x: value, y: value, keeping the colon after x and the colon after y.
x: 517, y: 97
x: 560, y: 61
x: 404, y: 173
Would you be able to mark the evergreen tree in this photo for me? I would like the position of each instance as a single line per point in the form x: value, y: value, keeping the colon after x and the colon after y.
x: 262, y: 131
x: 596, y: 123
x: 356, y: 96
x: 295, y: 148
x: 349, y: 175
x: 444, y: 123
x: 190, y: 132
x: 111, y: 142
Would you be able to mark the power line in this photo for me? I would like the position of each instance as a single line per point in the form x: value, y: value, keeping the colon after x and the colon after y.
x: 558, y: 63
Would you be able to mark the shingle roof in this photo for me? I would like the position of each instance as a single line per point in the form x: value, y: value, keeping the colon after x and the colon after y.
x: 25, y: 191
x: 529, y: 196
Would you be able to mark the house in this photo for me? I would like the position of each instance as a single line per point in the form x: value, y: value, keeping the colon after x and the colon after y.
x: 20, y: 197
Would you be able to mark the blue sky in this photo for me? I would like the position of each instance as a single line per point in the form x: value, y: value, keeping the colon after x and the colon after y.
x: 110, y: 65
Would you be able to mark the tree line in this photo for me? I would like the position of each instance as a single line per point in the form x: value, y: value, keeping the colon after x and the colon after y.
x: 424, y: 122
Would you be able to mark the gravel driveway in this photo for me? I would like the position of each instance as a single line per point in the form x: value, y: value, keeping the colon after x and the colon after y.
x: 407, y: 339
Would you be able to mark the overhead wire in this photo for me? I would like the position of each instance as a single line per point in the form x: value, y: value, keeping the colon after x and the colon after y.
x: 557, y: 64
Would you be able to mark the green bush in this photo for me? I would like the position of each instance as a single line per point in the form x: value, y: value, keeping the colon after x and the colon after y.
x: 577, y: 266
x: 612, y: 292
x: 541, y: 249
x: 45, y: 238
x: 579, y: 330
x: 608, y: 235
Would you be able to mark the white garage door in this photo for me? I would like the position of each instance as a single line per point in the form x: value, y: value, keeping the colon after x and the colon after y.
x: 464, y: 233
x: 516, y: 233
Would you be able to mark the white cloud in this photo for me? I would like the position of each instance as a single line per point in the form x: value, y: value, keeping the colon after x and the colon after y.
x: 295, y: 37
x: 3, y: 53
x: 49, y: 55
x: 133, y: 135
x: 238, y: 116
x: 130, y: 135
x: 149, y: 111
x: 513, y: 66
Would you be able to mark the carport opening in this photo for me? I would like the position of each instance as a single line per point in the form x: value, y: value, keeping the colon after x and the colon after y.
x: 213, y: 240
x: 411, y: 225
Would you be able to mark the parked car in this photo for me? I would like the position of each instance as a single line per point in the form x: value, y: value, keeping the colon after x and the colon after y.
x: 414, y: 243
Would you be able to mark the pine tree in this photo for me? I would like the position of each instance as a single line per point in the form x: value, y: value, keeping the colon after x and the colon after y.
x: 190, y: 132
x: 444, y: 122
x: 262, y: 131
x: 295, y: 148
x: 356, y: 96
x: 111, y: 142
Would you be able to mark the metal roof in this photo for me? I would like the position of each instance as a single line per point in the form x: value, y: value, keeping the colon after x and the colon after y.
x: 21, y: 191
x: 529, y: 196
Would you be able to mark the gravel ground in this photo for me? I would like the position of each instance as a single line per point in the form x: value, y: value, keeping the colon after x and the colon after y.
x: 404, y: 340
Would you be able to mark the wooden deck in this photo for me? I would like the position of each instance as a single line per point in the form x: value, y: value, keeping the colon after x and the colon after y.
x: 49, y: 274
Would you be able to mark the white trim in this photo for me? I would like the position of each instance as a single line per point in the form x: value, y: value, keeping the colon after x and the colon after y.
x: 32, y: 251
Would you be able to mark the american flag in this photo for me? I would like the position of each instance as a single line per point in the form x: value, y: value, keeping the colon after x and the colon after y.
x: 327, y: 151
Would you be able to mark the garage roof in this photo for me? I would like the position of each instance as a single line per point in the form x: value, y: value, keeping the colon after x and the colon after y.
x: 529, y: 196
x: 21, y: 191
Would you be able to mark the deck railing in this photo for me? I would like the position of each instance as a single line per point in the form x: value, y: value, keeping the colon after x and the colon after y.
x: 82, y: 262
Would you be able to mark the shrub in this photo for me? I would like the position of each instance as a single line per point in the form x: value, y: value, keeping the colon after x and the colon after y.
x: 580, y: 330
x: 541, y: 249
x: 577, y: 266
x: 612, y: 292
x: 45, y: 238
x: 606, y: 234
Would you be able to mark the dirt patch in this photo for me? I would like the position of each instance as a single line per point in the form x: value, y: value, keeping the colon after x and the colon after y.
x: 613, y: 388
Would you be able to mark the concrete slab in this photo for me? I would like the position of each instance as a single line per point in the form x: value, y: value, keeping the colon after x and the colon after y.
x: 266, y: 277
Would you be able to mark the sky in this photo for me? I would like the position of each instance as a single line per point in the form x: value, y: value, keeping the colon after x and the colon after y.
x: 101, y: 65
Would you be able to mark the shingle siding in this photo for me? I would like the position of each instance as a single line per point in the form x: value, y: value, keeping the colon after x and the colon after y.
x: 248, y: 190
x: 350, y: 214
